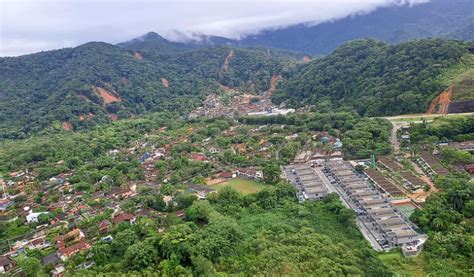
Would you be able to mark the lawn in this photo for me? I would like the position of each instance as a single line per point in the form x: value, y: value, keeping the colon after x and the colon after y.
x: 243, y: 185
x: 401, y: 266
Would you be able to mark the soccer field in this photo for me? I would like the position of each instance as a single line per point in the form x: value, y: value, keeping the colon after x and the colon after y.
x: 243, y: 185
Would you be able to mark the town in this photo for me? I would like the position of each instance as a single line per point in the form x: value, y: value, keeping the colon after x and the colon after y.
x: 62, y: 217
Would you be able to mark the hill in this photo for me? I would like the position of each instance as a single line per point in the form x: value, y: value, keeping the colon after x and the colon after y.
x: 98, y: 82
x: 374, y: 78
x: 393, y: 24
x: 153, y: 42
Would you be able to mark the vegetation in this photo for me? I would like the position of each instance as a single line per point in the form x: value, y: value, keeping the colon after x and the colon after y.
x: 374, y: 78
x: 446, y: 218
x: 43, y: 90
x: 263, y: 233
x: 56, y: 90
x: 243, y: 186
x: 457, y: 128
x: 360, y: 136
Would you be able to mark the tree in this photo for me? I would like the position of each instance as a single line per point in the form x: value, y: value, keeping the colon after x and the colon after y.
x: 185, y: 199
x: 140, y: 256
x: 199, y: 211
x: 122, y: 240
x: 271, y: 173
x: 44, y: 218
x: 30, y: 266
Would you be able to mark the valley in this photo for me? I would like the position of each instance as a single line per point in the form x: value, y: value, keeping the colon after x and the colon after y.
x: 328, y: 141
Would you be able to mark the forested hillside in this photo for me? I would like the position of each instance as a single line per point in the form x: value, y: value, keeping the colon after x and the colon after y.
x: 96, y: 82
x: 374, y: 78
x: 76, y: 88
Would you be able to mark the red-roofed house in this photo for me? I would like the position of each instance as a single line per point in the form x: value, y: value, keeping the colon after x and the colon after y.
x: 104, y: 227
x: 124, y: 217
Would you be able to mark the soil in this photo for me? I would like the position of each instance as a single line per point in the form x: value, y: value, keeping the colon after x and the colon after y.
x: 440, y: 104
x: 273, y: 83
x: 113, y: 116
x: 67, y: 126
x: 210, y: 181
x: 227, y: 60
x: 226, y: 89
x: 107, y: 96
x: 86, y: 117
x: 138, y: 56
x: 165, y: 82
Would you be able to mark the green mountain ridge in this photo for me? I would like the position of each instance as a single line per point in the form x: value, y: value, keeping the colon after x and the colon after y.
x: 375, y: 78
x: 40, y: 89
x: 51, y: 88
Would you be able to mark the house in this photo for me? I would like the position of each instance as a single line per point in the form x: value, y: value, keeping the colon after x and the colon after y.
x: 197, y: 157
x: 180, y: 213
x: 71, y: 243
x: 39, y: 243
x: 250, y: 173
x: 469, y: 168
x: 6, y: 264
x: 124, y: 217
x: 73, y: 249
x: 50, y: 259
x: 104, y: 227
x: 4, y: 204
x: 33, y: 217
x: 213, y: 150
x: 58, y: 270
x: 227, y: 175
x: 337, y: 144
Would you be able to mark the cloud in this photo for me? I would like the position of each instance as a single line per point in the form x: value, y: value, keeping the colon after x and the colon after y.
x: 28, y: 26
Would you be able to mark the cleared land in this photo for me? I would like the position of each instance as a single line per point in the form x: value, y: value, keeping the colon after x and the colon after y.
x: 243, y: 185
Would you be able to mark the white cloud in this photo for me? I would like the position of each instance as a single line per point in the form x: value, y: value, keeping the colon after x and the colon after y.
x: 28, y: 26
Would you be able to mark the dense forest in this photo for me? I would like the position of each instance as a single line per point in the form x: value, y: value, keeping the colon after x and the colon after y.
x: 374, y: 78
x: 76, y: 88
x: 42, y: 90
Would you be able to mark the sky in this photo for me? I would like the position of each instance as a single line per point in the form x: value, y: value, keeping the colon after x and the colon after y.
x: 29, y: 26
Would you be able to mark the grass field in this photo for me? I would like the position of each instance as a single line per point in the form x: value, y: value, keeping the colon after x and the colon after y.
x: 401, y: 266
x: 243, y: 185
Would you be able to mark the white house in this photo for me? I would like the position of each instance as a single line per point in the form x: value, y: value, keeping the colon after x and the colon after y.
x: 33, y: 217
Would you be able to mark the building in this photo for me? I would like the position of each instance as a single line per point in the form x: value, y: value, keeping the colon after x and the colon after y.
x: 6, y: 264
x: 305, y: 179
x: 39, y: 243
x: 4, y: 204
x: 50, y: 259
x: 33, y: 217
x: 463, y: 145
x: 104, y: 227
x: 71, y: 244
x: 124, y: 217
x: 250, y: 173
x: 395, y: 229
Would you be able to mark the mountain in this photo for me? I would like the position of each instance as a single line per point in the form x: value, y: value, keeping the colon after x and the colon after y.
x: 375, y: 78
x: 98, y: 82
x: 153, y: 42
x: 394, y: 24
x: 76, y: 88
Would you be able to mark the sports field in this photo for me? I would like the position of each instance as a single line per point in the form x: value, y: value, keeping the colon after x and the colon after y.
x: 243, y: 185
